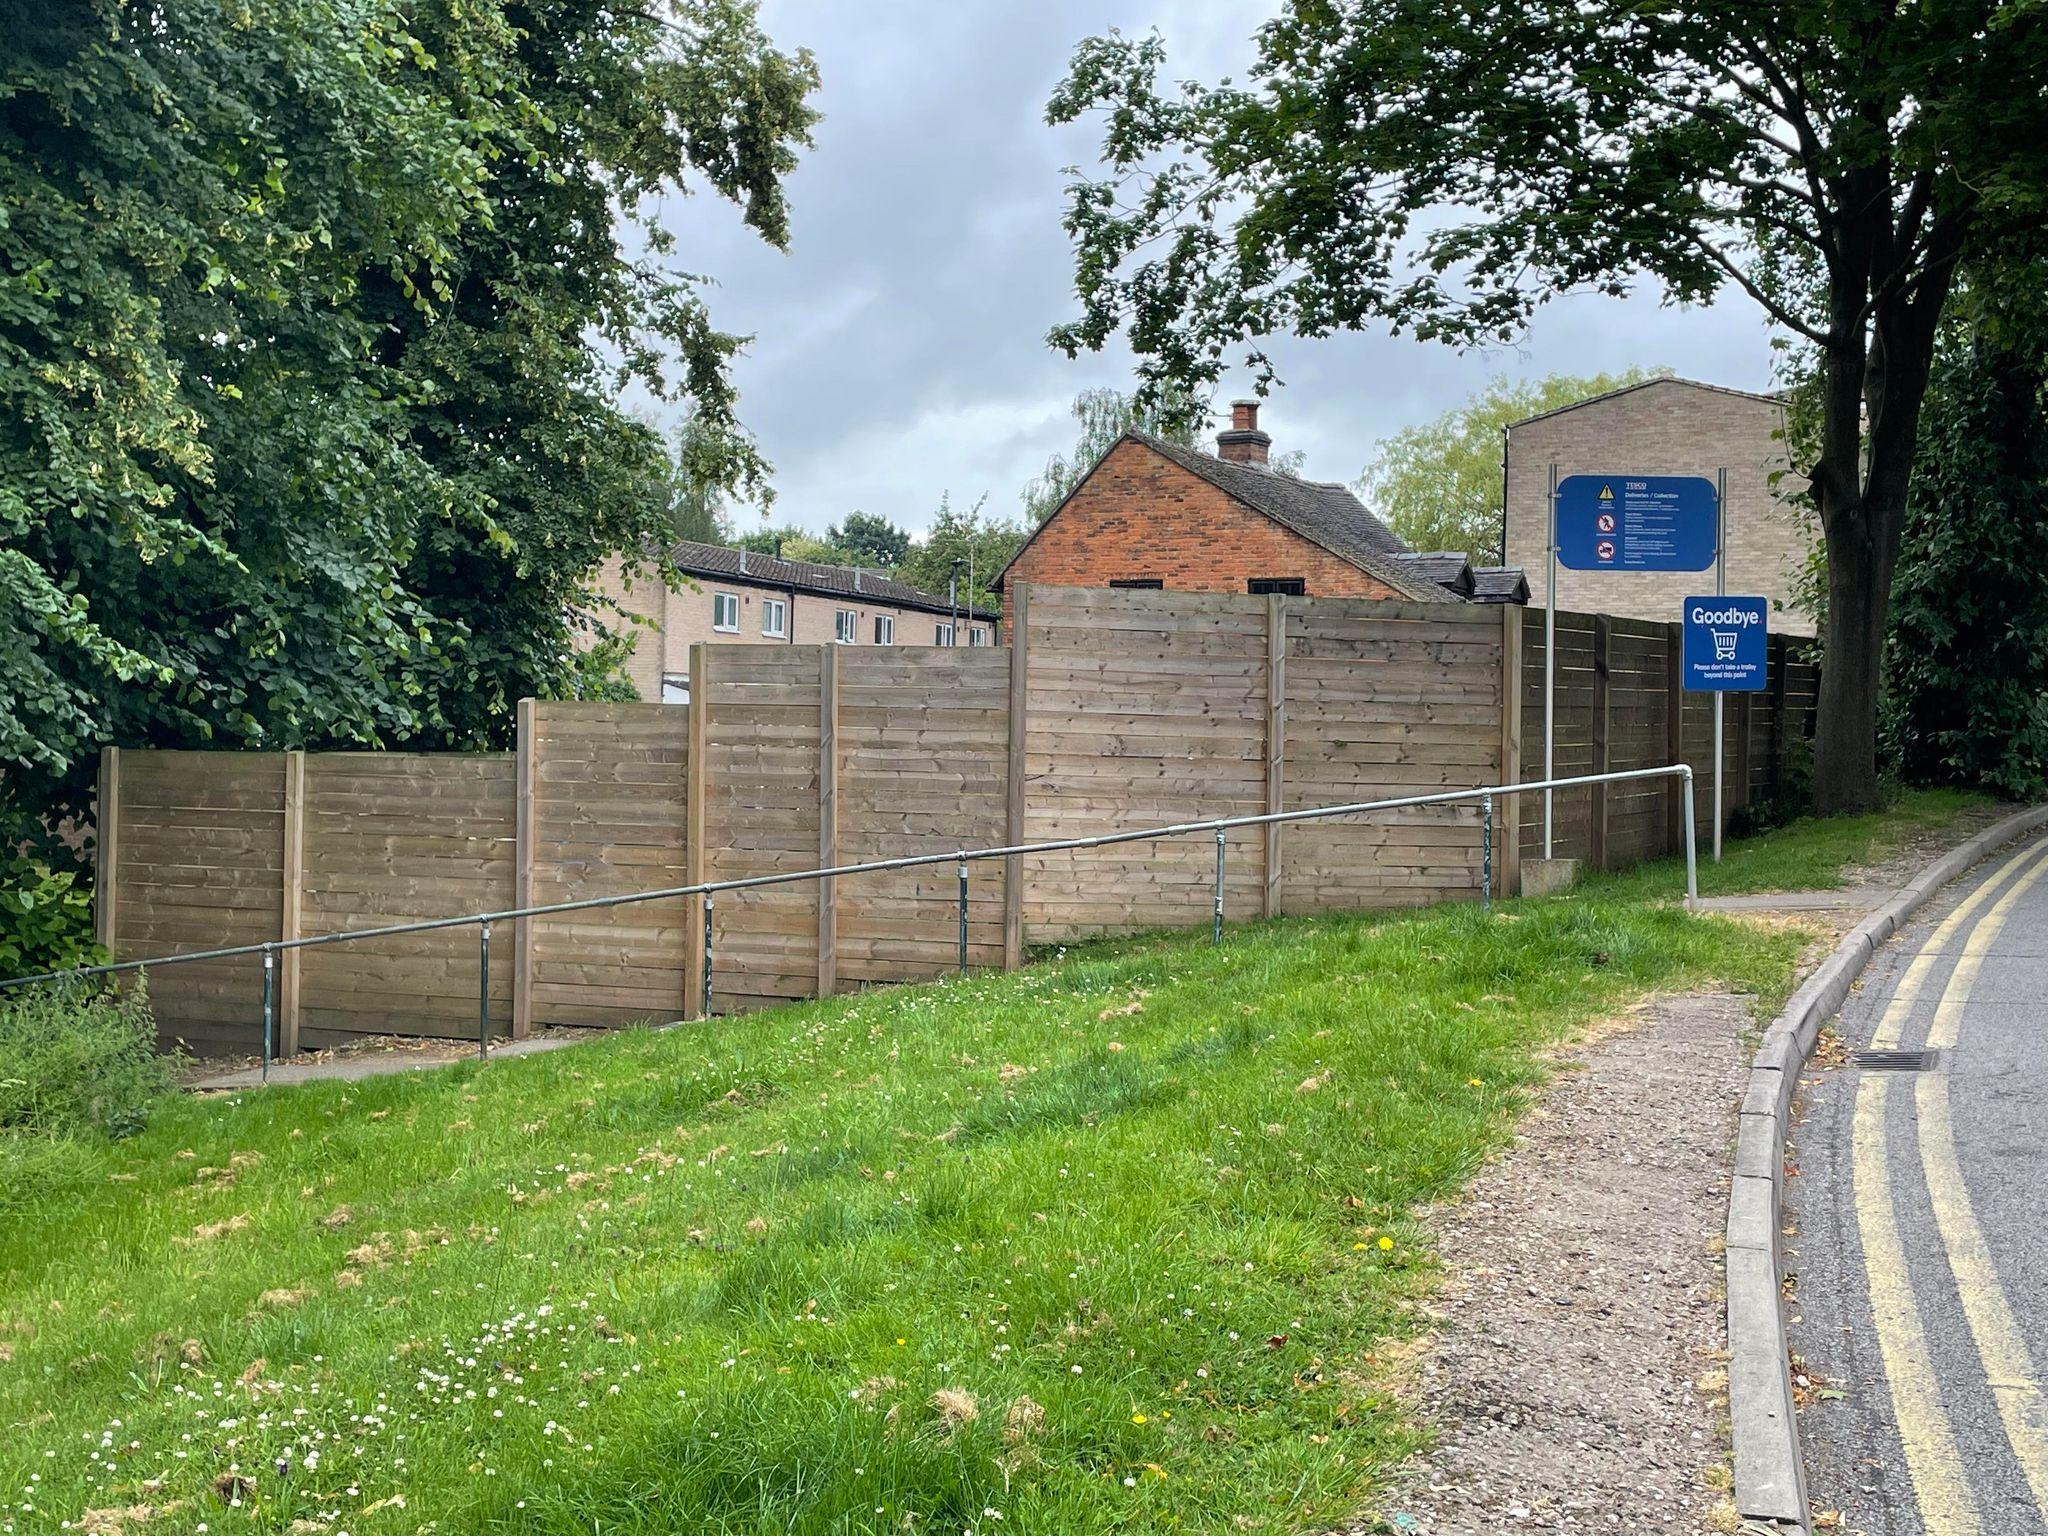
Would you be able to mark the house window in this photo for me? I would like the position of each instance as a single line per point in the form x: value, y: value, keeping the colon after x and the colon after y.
x: 846, y: 626
x: 885, y: 629
x: 1277, y: 586
x: 675, y: 689
x: 774, y: 617
x: 725, y: 612
x: 943, y: 635
x: 1137, y: 583
x: 976, y: 635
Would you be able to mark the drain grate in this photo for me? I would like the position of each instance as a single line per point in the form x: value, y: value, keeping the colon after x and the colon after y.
x: 1892, y: 1061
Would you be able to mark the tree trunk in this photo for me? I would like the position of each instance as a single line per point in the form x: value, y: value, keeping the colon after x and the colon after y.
x: 1845, y: 719
x: 1870, y: 428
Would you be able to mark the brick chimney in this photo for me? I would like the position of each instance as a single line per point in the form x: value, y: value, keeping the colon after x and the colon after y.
x: 1244, y: 443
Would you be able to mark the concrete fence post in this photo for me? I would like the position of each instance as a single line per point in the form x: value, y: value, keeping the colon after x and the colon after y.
x: 1018, y: 620
x: 828, y: 817
x: 1276, y: 745
x: 696, y: 993
x: 1603, y: 639
x: 525, y: 771
x: 290, y: 919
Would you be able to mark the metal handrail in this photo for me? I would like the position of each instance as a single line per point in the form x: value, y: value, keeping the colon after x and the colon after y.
x: 708, y: 889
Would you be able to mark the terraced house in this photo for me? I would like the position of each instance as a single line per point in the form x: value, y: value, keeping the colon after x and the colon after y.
x: 1153, y: 513
x: 733, y: 596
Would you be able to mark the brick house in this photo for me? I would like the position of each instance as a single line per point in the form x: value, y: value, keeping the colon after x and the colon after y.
x: 735, y: 597
x: 1664, y: 426
x: 1155, y: 514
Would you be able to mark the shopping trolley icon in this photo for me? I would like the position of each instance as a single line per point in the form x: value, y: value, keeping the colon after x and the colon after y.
x: 1724, y: 643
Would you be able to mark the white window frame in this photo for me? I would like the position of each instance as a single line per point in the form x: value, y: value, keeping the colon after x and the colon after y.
x: 775, y: 617
x: 885, y: 629
x: 942, y: 634
x: 976, y: 635
x: 718, y: 602
x: 846, y: 626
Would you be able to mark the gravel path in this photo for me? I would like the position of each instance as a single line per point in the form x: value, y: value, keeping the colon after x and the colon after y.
x: 1557, y: 1408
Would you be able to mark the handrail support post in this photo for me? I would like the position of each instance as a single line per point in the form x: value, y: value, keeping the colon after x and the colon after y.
x: 269, y: 1006
x: 704, y: 1000
x: 1692, y: 862
x: 483, y: 990
x: 1216, y: 923
x: 963, y: 913
x: 1486, y: 854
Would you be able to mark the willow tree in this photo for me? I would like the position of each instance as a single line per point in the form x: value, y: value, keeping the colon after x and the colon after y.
x: 1444, y: 167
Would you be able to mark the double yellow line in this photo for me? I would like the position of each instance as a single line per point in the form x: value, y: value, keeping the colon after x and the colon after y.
x: 1941, y: 1486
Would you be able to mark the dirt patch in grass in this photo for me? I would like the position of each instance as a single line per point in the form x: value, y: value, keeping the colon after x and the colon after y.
x: 413, y: 1051
x: 1578, y: 1383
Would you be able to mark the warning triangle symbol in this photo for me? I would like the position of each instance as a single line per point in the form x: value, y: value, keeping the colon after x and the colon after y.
x: 1607, y: 493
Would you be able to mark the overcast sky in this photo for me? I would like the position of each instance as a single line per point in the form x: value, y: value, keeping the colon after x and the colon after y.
x: 899, y: 347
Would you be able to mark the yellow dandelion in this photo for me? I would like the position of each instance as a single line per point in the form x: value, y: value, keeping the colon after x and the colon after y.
x: 1472, y: 1082
x: 1358, y: 1247
x: 1137, y: 1418
x: 1386, y: 1245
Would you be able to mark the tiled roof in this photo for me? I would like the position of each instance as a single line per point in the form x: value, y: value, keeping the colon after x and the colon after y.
x: 1499, y: 584
x: 1447, y: 568
x: 1322, y: 512
x: 719, y: 560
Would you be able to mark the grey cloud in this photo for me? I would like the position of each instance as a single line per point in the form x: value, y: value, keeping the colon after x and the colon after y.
x: 900, y: 349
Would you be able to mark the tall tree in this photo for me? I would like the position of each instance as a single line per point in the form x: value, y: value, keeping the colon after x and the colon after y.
x: 1438, y: 483
x: 970, y: 542
x: 1446, y: 168
x: 1966, y: 658
x: 313, y: 317
x: 1106, y: 415
x: 868, y: 538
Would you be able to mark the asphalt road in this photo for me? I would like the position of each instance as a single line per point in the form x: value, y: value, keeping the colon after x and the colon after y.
x: 1921, y: 1227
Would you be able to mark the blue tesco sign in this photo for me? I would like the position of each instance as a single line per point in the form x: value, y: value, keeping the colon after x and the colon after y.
x: 1727, y: 643
x: 1637, y: 522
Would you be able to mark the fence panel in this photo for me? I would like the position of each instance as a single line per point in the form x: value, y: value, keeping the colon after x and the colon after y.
x: 1383, y: 700
x: 1144, y: 708
x: 609, y: 788
x: 761, y: 816
x: 201, y: 866
x: 921, y: 766
x: 393, y: 837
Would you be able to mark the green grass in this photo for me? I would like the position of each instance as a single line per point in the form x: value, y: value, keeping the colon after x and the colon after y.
x: 1149, y: 1205
x: 1810, y: 854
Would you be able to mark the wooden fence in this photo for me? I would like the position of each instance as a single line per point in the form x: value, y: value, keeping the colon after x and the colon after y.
x: 1619, y: 704
x: 1114, y: 711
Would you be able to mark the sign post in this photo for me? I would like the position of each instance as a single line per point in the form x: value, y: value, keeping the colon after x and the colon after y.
x: 1623, y: 523
x: 1725, y: 648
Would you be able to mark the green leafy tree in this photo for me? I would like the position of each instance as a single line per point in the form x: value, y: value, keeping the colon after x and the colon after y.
x: 1967, y: 654
x: 1445, y: 169
x: 692, y: 503
x: 1106, y: 415
x: 868, y: 538
x: 313, y: 320
x: 1438, y: 484
x: 791, y: 543
x: 981, y: 545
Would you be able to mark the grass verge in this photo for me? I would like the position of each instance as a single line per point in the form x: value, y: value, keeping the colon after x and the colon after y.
x: 1122, y: 1241
x: 1810, y: 854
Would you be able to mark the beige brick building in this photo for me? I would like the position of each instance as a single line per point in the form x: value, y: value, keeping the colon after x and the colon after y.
x: 1663, y: 427
x: 732, y: 597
